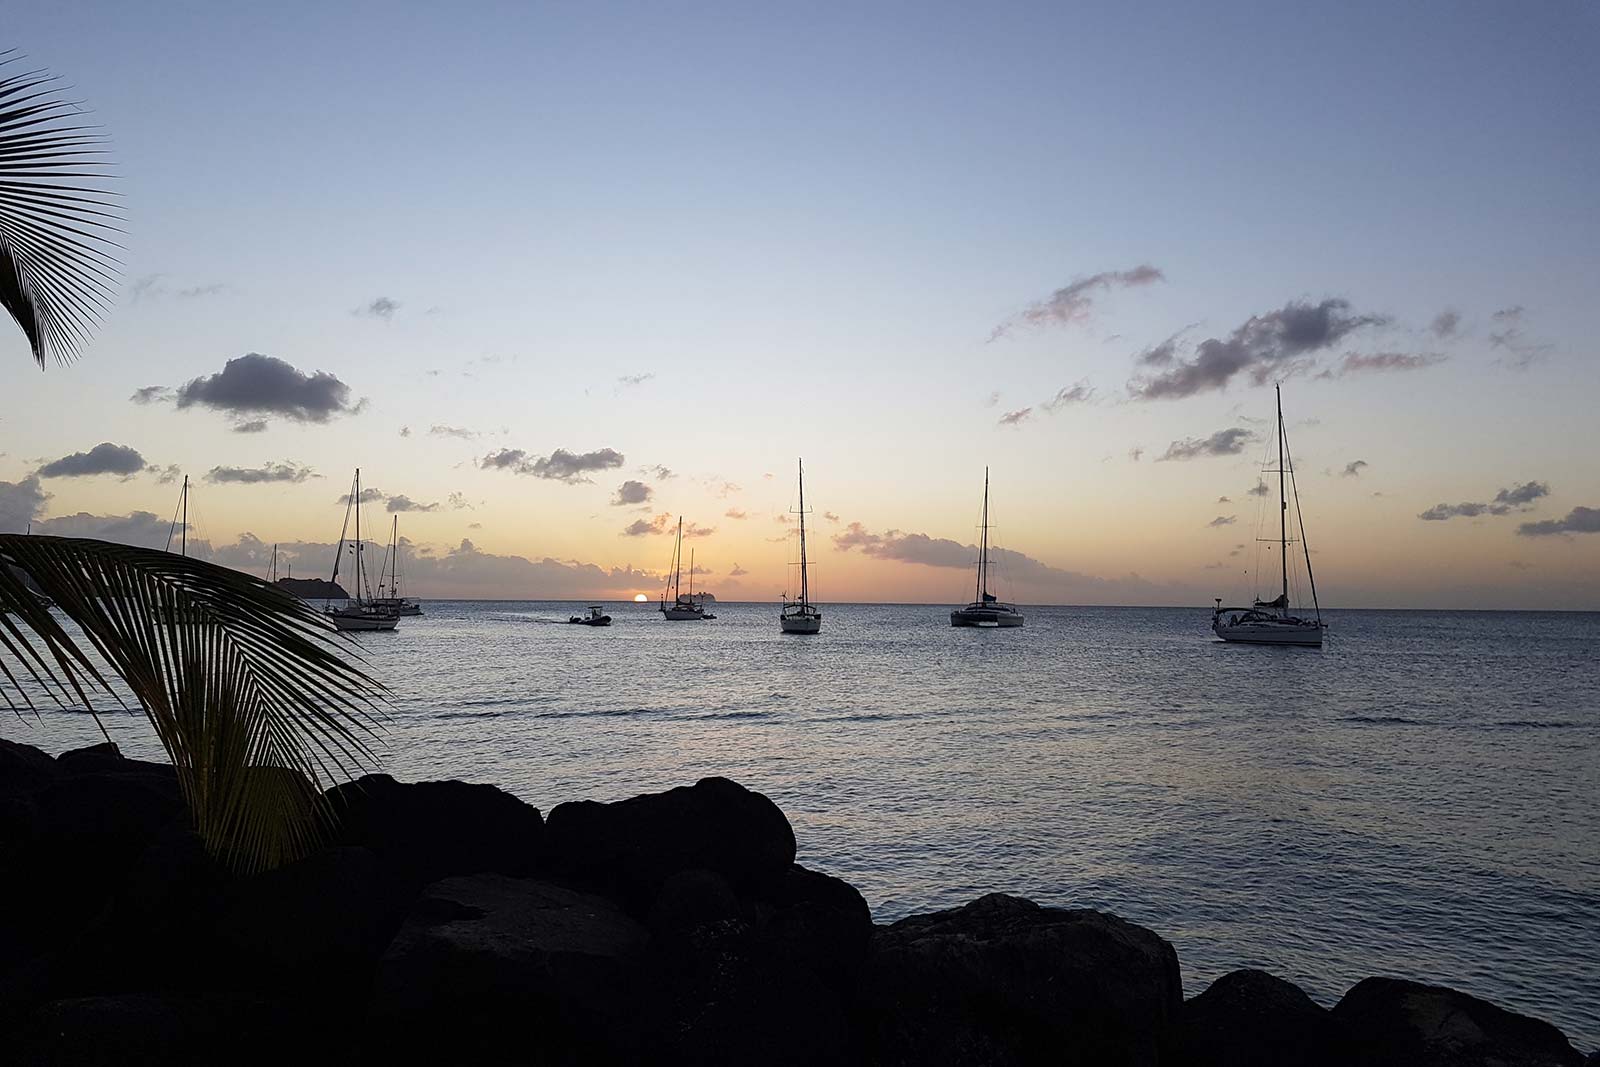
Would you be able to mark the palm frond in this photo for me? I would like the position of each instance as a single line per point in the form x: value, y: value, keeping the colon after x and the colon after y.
x: 57, y: 264
x: 244, y: 683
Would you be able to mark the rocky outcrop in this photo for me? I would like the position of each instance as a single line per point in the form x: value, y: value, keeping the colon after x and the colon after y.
x: 1249, y: 1018
x: 1395, y: 1022
x: 1004, y: 981
x: 161, y: 1028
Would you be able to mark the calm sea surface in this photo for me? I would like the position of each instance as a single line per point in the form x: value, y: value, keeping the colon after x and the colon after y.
x: 1420, y: 798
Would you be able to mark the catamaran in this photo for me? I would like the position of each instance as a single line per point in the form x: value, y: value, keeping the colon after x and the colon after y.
x: 389, y: 594
x: 1270, y: 622
x: 986, y: 609
x: 682, y: 608
x: 801, y: 616
x: 361, y: 612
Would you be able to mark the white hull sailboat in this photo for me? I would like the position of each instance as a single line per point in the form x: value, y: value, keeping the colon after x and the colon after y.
x: 361, y: 614
x: 801, y: 616
x: 1270, y: 622
x: 986, y: 610
x: 682, y: 608
x: 389, y: 597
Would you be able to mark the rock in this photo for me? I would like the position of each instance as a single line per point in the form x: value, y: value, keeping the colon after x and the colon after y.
x: 428, y: 831
x: 488, y: 968
x: 1005, y: 981
x: 107, y: 758
x: 823, y: 923
x: 1248, y: 1018
x: 632, y: 847
x: 1395, y: 1022
x: 24, y: 768
x: 168, y: 1029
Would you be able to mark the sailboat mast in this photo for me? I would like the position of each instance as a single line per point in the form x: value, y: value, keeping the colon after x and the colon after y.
x: 183, y: 534
x: 983, y: 551
x: 1283, y: 504
x: 691, y: 575
x: 805, y: 592
x: 361, y: 574
x: 677, y: 561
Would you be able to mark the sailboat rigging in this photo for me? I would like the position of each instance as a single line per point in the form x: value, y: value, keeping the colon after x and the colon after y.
x: 1270, y: 622
x: 389, y: 595
x: 362, y: 612
x: 682, y: 608
x: 986, y: 610
x: 801, y: 616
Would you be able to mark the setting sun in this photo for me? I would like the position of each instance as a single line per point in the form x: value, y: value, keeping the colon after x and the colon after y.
x: 640, y: 598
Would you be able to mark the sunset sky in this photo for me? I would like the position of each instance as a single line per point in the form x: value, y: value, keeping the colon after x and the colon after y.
x: 556, y: 275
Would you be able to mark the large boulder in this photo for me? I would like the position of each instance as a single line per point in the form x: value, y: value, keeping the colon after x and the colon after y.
x: 1394, y: 1022
x: 1248, y: 1018
x: 427, y: 831
x: 158, y: 1030
x: 490, y: 969
x: 1005, y: 981
x: 632, y: 847
x: 24, y: 768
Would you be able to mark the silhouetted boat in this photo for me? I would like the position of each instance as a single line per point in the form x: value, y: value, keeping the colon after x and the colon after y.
x: 595, y: 617
x: 362, y: 614
x: 986, y: 610
x: 801, y: 616
x: 682, y: 608
x: 1270, y: 622
x: 389, y: 595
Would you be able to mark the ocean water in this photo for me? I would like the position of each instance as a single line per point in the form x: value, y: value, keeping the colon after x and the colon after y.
x: 1420, y: 798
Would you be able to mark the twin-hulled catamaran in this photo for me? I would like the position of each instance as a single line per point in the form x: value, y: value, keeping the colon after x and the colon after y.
x: 986, y: 609
x: 1270, y: 622
x: 801, y: 616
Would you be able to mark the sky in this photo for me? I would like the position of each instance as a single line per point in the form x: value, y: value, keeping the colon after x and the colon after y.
x: 555, y: 276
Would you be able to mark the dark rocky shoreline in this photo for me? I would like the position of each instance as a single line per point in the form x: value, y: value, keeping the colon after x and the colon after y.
x: 452, y: 923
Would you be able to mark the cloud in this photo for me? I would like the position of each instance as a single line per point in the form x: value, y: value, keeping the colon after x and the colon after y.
x: 139, y: 528
x: 1446, y: 324
x: 1441, y: 512
x: 146, y: 285
x: 400, y: 502
x: 992, y: 400
x: 1578, y: 520
x: 1077, y: 393
x: 103, y: 458
x: 1259, y: 489
x: 1509, y: 337
x: 368, y: 496
x: 195, y: 291
x: 1521, y: 495
x: 632, y: 492
x: 1163, y: 354
x: 735, y: 513
x: 1224, y: 500
x: 381, y: 308
x: 559, y: 466
x: 462, y: 432
x: 691, y: 530
x: 1357, y: 363
x: 168, y: 474
x: 629, y: 380
x: 458, y: 502
x: 20, y: 503
x: 1015, y: 418
x: 1074, y: 302
x: 1229, y: 442
x: 1354, y: 468
x: 270, y: 472
x: 646, y: 527
x: 1263, y: 345
x: 151, y: 394
x: 253, y: 426
x: 254, y: 384
x: 1223, y: 520
x: 830, y: 516
x: 723, y: 489
x: 405, y: 431
x: 660, y: 473
x: 737, y: 572
x: 1136, y: 453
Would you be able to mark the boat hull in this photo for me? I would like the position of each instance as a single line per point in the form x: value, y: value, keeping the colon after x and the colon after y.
x: 1299, y: 634
x: 801, y: 624
x: 604, y: 620
x: 364, y: 623
x: 683, y: 614
x: 987, y: 618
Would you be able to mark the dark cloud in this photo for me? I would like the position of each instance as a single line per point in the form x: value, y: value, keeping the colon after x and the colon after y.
x: 381, y: 308
x: 1015, y: 418
x: 1521, y: 495
x: 270, y: 472
x: 400, y: 502
x: 1375, y: 362
x: 1259, y: 489
x: 1229, y: 442
x: 140, y: 528
x: 368, y: 496
x: 1578, y: 520
x: 20, y: 503
x: 1223, y: 520
x: 1163, y: 354
x: 151, y: 394
x: 1466, y: 510
x: 1077, y: 393
x: 168, y: 474
x: 103, y: 458
x: 632, y: 492
x: 646, y: 527
x: 1264, y: 345
x: 1354, y: 468
x: 253, y: 426
x: 735, y: 513
x: 1446, y: 324
x: 254, y: 384
x: 462, y: 432
x: 1074, y: 302
x: 560, y: 465
x: 1224, y: 500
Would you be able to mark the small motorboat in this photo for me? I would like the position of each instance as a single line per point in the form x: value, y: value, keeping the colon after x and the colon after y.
x: 595, y: 617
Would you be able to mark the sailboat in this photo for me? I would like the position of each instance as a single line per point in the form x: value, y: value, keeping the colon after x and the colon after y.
x: 985, y: 609
x: 180, y: 521
x: 1270, y: 622
x: 801, y: 616
x: 389, y: 595
x: 682, y: 608
x: 362, y: 612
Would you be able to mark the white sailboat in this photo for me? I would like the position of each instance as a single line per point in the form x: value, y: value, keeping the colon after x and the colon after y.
x: 682, y: 608
x: 389, y: 578
x: 986, y: 610
x: 801, y: 616
x: 360, y: 613
x: 1270, y: 622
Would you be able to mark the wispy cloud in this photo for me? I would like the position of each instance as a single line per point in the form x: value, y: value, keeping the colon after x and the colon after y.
x: 400, y: 502
x: 560, y: 465
x: 1509, y: 337
x: 252, y: 426
x: 1229, y: 442
x: 380, y: 308
x: 736, y: 513
x: 1375, y: 362
x: 1066, y: 396
x: 1518, y: 497
x: 1015, y: 418
x: 1446, y: 324
x: 438, y: 430
x: 628, y: 381
x: 269, y: 472
x: 1223, y: 520
x: 1354, y: 468
x: 1074, y: 302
